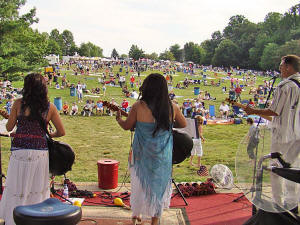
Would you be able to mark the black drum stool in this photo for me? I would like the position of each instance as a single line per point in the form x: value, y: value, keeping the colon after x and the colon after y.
x: 49, y: 212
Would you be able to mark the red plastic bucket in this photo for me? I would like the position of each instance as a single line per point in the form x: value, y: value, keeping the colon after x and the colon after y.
x: 108, y: 173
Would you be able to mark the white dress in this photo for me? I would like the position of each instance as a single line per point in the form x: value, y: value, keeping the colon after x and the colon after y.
x: 27, y: 181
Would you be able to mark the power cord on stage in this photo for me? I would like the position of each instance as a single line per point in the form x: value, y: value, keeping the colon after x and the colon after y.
x: 107, y: 197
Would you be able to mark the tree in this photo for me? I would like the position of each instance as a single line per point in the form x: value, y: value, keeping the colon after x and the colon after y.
x: 290, y: 47
x: 53, y: 48
x: 55, y: 35
x: 73, y: 49
x: 271, y: 23
x: 209, y: 46
x: 124, y: 56
x: 255, y: 52
x: 177, y: 52
x: 21, y: 48
x: 90, y: 50
x: 152, y: 56
x: 270, y: 58
x: 68, y: 43
x: 114, y: 54
x: 135, y: 52
x: 233, y: 30
x: 226, y: 54
x: 193, y: 52
x: 167, y: 55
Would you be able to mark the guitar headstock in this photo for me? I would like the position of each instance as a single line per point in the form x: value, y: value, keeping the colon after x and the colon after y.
x: 230, y: 101
x: 4, y: 114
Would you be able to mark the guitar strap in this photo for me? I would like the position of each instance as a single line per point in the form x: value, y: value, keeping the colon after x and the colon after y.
x: 296, y: 82
x: 196, y: 128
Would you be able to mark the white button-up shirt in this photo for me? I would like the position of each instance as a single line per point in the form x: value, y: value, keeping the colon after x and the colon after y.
x: 286, y: 103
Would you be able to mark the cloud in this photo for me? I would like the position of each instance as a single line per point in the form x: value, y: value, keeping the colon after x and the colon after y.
x: 153, y: 25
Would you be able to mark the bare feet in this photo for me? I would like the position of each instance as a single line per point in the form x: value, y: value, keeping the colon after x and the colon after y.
x: 136, y: 220
x: 155, y: 221
x: 192, y: 164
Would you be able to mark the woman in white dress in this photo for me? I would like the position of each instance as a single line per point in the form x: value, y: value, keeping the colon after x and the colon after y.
x: 28, y: 170
x: 151, y: 162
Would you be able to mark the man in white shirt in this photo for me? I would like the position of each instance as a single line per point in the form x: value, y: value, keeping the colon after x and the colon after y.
x: 224, y: 110
x: 285, y: 110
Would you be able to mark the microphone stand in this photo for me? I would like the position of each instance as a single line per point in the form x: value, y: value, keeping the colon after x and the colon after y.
x: 54, y: 192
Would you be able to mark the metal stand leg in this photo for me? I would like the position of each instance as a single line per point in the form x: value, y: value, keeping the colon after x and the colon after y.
x: 53, y: 191
x: 179, y: 192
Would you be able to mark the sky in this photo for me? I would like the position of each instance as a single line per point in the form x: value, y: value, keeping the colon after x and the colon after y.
x: 153, y: 25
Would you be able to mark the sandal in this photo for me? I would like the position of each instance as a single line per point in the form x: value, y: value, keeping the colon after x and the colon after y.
x: 136, y: 220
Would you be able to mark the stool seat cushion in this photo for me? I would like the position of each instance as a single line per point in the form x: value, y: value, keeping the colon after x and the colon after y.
x: 49, y: 212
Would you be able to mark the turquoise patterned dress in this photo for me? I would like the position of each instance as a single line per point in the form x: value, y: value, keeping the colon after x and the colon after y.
x: 151, y: 170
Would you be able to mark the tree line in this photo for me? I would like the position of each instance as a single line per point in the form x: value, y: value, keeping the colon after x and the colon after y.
x: 241, y: 44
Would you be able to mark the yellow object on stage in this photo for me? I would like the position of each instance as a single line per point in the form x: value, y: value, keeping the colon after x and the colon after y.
x: 77, y: 203
x: 119, y: 202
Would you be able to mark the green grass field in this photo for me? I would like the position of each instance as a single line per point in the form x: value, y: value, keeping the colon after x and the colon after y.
x: 99, y: 137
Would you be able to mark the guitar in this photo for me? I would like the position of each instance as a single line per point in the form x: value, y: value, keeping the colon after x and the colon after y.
x: 182, y: 142
x: 233, y: 102
x: 114, y: 108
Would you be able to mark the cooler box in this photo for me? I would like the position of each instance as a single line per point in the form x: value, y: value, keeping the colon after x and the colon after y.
x: 108, y: 173
x: 72, y: 91
x: 58, y: 103
x: 196, y: 90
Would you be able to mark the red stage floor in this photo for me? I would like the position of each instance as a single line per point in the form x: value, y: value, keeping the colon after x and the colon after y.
x: 215, y: 209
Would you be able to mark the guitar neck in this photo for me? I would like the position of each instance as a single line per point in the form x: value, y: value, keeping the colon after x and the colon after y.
x: 239, y: 105
x: 244, y: 107
x: 114, y: 108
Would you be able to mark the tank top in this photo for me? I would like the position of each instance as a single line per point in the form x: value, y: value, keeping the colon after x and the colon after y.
x: 29, y: 134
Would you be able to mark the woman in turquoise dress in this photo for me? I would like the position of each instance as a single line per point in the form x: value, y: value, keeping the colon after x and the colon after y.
x: 151, y: 158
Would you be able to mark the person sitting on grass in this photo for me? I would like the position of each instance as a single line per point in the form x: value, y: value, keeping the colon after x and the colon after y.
x: 74, y: 109
x: 66, y: 108
x: 187, y: 107
x: 87, y: 108
x: 99, y: 107
x: 57, y: 85
x: 224, y: 110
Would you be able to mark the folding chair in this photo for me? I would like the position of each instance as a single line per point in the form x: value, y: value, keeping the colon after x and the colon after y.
x: 212, y: 112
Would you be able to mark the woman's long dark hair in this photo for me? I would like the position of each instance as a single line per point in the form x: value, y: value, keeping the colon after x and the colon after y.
x: 35, y: 95
x: 154, y: 91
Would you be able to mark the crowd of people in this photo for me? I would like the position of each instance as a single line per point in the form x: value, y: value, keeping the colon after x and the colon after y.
x: 152, y: 116
x: 93, y: 108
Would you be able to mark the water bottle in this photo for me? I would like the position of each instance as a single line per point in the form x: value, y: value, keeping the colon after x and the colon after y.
x: 66, y: 191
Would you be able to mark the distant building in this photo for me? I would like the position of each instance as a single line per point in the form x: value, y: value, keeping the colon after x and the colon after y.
x: 52, y: 59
